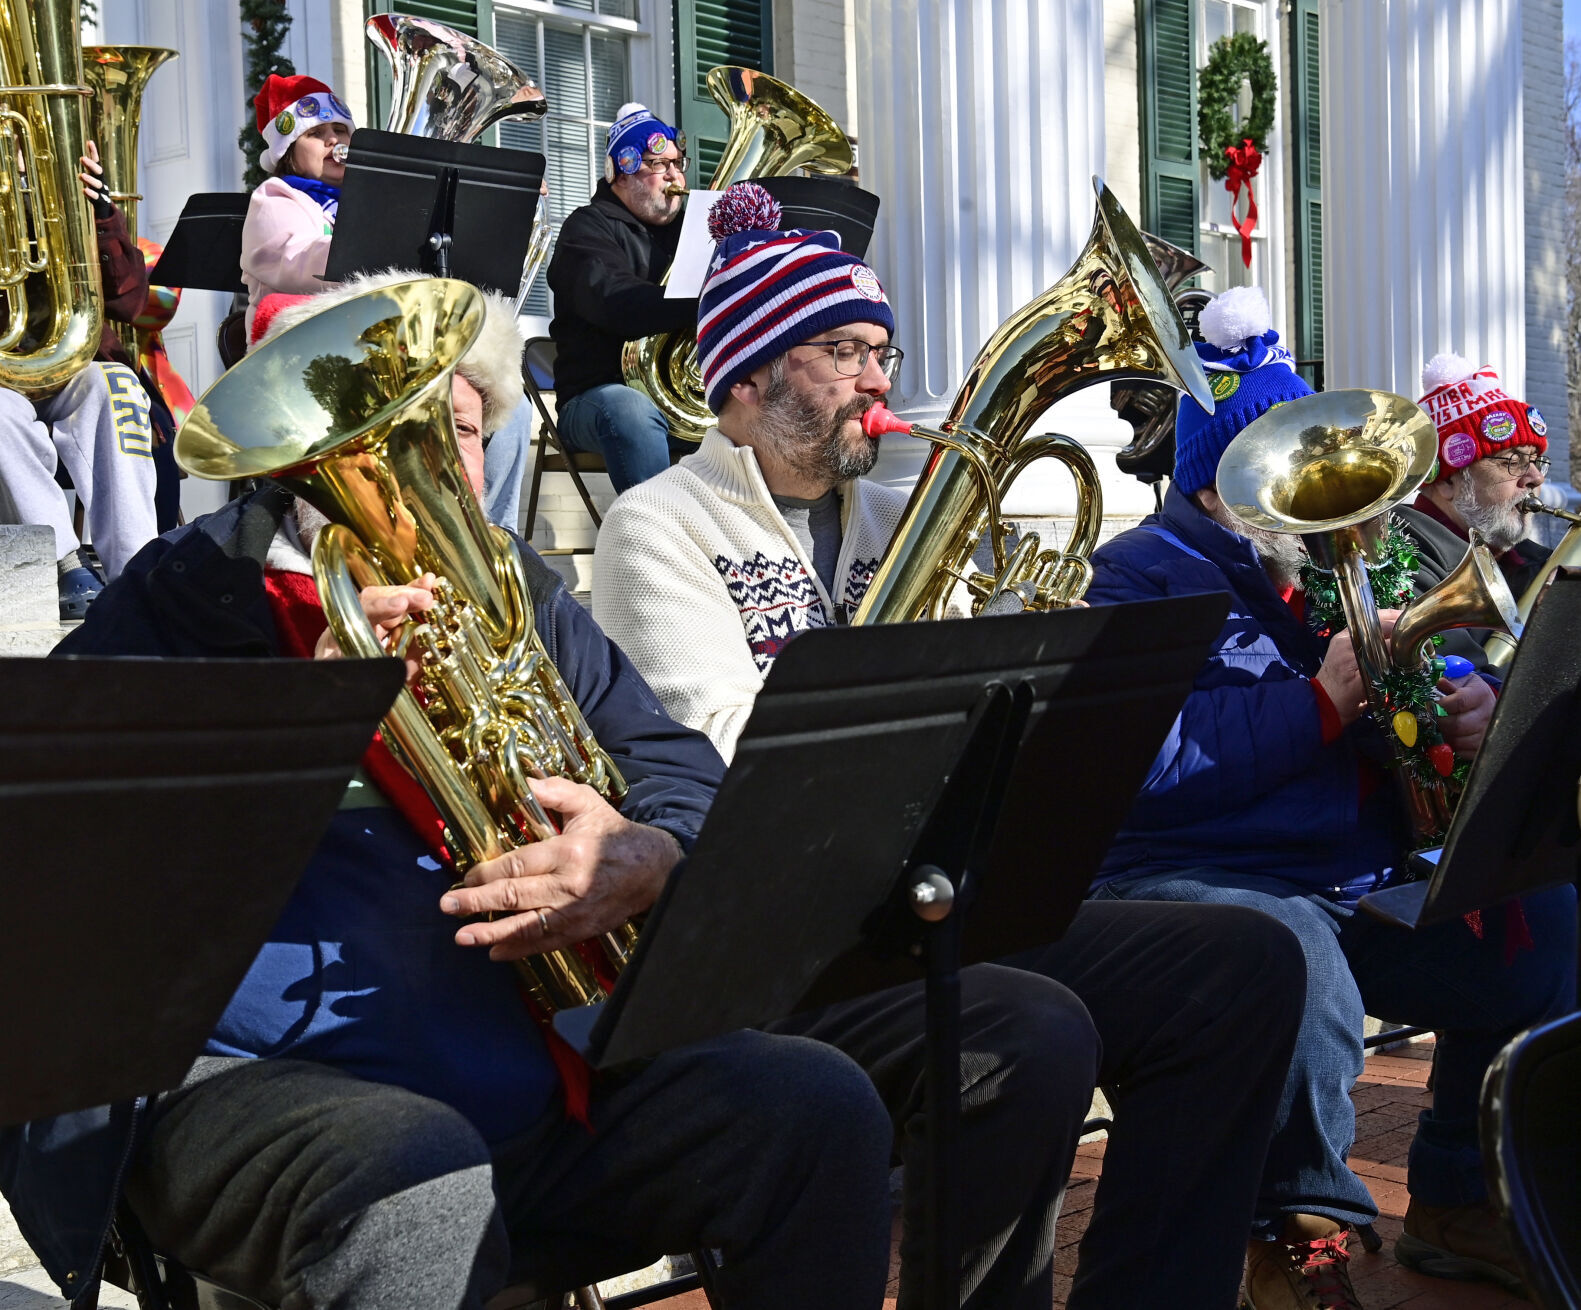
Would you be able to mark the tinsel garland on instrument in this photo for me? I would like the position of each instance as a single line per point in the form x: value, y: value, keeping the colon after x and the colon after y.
x: 1407, y: 693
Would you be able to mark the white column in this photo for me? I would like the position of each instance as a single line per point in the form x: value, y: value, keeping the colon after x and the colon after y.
x: 982, y: 125
x: 1423, y: 195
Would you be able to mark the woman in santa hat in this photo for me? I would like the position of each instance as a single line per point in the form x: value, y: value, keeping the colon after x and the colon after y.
x: 291, y: 218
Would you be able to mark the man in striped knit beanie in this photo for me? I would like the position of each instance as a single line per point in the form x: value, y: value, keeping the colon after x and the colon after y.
x: 702, y: 575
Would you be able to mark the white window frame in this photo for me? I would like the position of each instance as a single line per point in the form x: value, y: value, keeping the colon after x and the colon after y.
x: 650, y: 70
x: 1271, y: 232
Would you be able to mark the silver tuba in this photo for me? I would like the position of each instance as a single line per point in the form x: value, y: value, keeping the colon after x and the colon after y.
x: 449, y: 86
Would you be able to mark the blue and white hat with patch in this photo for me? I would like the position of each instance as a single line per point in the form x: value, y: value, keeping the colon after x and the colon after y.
x: 636, y: 132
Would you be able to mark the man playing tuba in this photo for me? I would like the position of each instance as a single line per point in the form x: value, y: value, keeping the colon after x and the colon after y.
x: 1267, y: 795
x: 606, y: 274
x: 703, y: 573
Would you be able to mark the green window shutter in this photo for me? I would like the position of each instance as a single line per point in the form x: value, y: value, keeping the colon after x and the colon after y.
x: 1166, y: 46
x: 709, y: 33
x: 1307, y: 131
x: 474, y: 17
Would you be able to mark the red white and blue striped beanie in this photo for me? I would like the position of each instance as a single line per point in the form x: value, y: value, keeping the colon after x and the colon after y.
x: 769, y: 290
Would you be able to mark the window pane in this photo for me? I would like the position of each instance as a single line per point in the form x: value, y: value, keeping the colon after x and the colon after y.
x: 609, y: 77
x: 565, y: 73
x: 576, y: 4
x: 570, y: 167
x: 618, y: 8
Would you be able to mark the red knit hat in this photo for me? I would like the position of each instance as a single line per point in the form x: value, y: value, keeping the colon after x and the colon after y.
x: 1474, y: 415
x: 289, y: 106
x: 268, y: 307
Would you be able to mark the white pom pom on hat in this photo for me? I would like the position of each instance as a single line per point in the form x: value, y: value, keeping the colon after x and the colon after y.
x: 1445, y: 369
x: 630, y: 107
x: 1235, y: 316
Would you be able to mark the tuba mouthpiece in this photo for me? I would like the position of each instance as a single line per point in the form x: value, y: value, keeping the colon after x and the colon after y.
x: 879, y: 420
x: 339, y: 153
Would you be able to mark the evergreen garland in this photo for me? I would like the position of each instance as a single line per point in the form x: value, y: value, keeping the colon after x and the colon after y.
x: 265, y: 24
x: 1405, y: 691
x: 1231, y: 58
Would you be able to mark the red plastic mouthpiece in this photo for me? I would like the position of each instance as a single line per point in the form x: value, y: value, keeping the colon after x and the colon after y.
x: 879, y: 420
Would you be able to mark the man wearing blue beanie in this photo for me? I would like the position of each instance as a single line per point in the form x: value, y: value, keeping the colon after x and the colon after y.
x: 1265, y: 796
x: 609, y: 262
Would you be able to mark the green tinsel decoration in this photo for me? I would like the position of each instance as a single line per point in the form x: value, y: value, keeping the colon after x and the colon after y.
x: 265, y: 24
x: 1402, y: 689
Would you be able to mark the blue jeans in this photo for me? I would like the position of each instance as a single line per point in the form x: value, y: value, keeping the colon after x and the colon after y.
x: 1442, y: 977
x: 504, y: 467
x: 623, y: 426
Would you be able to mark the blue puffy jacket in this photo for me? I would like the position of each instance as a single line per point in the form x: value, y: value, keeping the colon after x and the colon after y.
x: 1244, y: 781
x: 199, y: 592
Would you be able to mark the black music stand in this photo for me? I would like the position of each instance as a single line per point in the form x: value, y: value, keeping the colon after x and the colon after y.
x: 832, y: 203
x: 856, y: 827
x: 445, y: 208
x: 1515, y: 829
x: 204, y: 252
x: 157, y: 816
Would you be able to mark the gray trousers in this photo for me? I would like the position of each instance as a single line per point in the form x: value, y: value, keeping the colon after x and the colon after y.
x: 97, y: 426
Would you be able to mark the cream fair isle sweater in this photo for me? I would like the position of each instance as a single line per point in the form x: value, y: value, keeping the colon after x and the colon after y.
x: 700, y: 580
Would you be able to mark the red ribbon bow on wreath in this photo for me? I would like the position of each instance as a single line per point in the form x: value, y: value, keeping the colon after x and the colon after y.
x: 1245, y: 160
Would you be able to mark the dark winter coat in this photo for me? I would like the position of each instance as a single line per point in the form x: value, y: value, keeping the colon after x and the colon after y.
x: 605, y: 276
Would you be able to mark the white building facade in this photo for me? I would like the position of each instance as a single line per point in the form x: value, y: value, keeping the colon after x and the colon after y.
x: 1409, y: 201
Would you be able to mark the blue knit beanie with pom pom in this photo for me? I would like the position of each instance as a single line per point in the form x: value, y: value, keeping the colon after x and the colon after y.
x: 769, y: 290
x: 1249, y: 373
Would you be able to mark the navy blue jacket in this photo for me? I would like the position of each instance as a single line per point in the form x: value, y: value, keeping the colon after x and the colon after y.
x: 199, y: 592
x: 1244, y: 781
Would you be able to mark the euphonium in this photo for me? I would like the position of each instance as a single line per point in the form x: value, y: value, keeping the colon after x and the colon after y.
x: 449, y: 86
x: 1330, y: 467
x: 351, y: 410
x: 1500, y: 646
x: 119, y: 75
x: 49, y: 260
x: 774, y: 130
x: 1109, y: 317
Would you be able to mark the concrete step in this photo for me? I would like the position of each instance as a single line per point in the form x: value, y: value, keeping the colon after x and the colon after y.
x: 29, y: 598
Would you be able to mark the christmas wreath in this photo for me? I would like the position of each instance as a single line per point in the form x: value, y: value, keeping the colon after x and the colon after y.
x: 1219, y: 128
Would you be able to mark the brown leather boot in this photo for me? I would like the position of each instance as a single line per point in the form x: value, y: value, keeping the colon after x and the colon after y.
x: 1306, y: 1269
x: 1458, y: 1241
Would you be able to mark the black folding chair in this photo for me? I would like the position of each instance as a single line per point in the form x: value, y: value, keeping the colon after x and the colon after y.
x: 1531, y: 1151
x: 551, y: 455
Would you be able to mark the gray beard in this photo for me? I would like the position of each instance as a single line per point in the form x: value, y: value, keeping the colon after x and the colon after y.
x: 309, y: 523
x: 1282, y: 553
x: 1501, y: 526
x: 791, y: 425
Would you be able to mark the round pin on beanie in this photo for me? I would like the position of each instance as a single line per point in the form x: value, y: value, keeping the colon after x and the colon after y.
x: 286, y: 107
x: 1474, y: 415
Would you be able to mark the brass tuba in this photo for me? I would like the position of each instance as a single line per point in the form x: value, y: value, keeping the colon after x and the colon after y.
x: 1330, y: 467
x: 774, y: 130
x: 1500, y: 646
x: 49, y: 260
x: 119, y: 75
x: 449, y: 86
x: 351, y: 410
x: 1110, y: 317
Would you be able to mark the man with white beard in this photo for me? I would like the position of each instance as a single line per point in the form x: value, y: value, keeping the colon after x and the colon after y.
x: 1492, y: 454
x: 1267, y: 794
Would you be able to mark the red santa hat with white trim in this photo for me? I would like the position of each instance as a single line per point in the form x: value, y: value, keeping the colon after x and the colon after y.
x: 1474, y: 415
x: 289, y: 106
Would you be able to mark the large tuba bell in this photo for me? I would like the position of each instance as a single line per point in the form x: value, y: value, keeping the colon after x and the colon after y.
x: 449, y: 86
x: 1109, y: 317
x: 49, y: 262
x: 774, y: 130
x: 119, y: 75
x: 1330, y: 467
x: 351, y: 410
